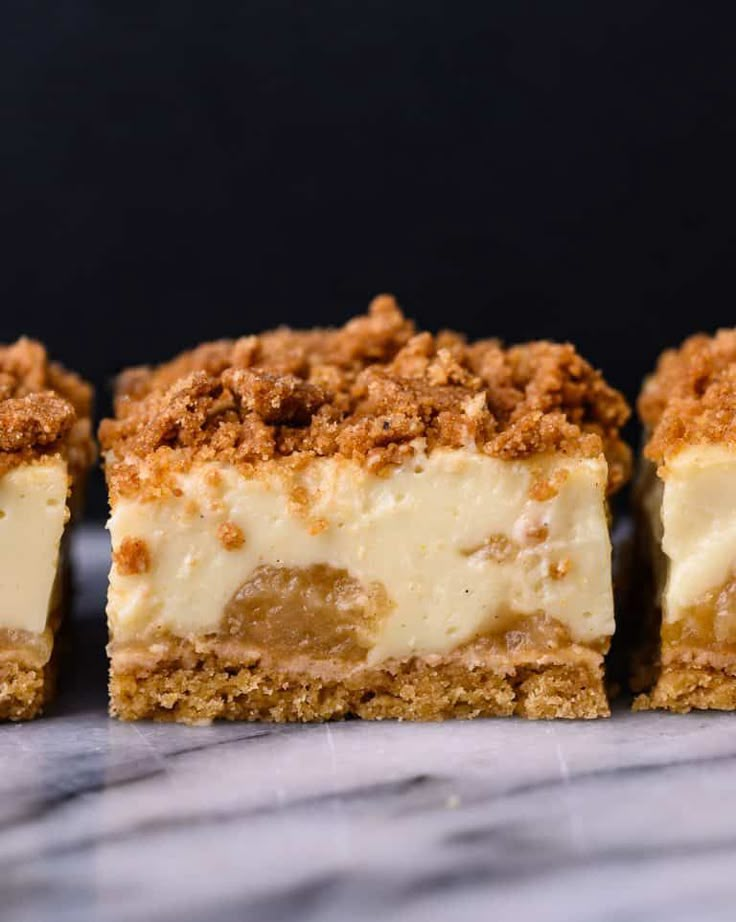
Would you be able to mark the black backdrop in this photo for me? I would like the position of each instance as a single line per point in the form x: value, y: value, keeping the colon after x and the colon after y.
x: 175, y: 171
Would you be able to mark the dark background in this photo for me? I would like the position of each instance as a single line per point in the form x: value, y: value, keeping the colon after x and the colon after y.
x: 178, y: 171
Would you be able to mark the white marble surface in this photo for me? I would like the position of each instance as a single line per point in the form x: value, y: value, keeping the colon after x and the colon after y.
x: 627, y: 820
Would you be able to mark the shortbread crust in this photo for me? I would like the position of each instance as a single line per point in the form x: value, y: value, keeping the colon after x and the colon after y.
x: 190, y: 682
x: 306, y: 454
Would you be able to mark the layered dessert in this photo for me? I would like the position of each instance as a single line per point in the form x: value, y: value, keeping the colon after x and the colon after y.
x: 364, y: 521
x: 687, y: 518
x: 45, y: 451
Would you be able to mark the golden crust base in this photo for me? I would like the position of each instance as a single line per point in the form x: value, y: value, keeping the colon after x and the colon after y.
x: 206, y: 686
x: 682, y: 688
x: 24, y: 690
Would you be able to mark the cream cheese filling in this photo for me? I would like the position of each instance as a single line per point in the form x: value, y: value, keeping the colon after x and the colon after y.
x: 33, y: 513
x: 698, y: 514
x: 420, y: 531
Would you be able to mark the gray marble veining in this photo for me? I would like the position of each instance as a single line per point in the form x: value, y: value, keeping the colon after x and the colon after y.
x: 627, y: 820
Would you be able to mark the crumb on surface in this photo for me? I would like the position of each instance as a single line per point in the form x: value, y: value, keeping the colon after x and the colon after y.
x: 691, y: 396
x: 546, y: 488
x: 230, y: 536
x: 44, y: 409
x: 367, y: 391
x: 132, y: 557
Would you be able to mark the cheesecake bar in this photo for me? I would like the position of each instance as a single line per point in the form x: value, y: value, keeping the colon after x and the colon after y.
x: 45, y: 450
x: 367, y: 521
x: 686, y: 498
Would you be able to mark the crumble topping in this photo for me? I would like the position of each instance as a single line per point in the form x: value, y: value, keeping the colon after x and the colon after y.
x: 132, y: 557
x: 545, y: 488
x: 691, y: 397
x: 231, y: 536
x: 44, y: 409
x: 365, y: 391
x: 37, y: 419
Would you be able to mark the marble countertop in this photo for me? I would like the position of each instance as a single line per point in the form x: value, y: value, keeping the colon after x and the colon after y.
x: 626, y: 820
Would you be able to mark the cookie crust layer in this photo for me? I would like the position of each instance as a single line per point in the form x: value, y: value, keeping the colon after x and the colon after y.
x: 25, y: 690
x: 683, y: 688
x: 192, y: 684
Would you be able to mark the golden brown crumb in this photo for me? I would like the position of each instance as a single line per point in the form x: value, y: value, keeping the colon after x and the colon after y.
x: 691, y: 397
x: 543, y: 488
x: 44, y: 409
x: 560, y: 569
x: 132, y: 557
x: 36, y: 419
x: 231, y: 536
x: 364, y: 391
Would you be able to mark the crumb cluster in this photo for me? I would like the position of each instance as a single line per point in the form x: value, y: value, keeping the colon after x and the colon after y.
x: 44, y: 409
x: 366, y: 391
x: 132, y: 557
x: 231, y: 536
x: 691, y: 397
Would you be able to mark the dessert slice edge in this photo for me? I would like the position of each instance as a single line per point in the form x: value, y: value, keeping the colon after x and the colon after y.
x: 45, y: 451
x: 687, y: 514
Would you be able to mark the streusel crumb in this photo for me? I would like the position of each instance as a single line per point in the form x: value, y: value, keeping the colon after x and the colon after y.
x: 231, y: 536
x: 44, y: 409
x: 691, y: 397
x: 132, y: 557
x: 366, y: 391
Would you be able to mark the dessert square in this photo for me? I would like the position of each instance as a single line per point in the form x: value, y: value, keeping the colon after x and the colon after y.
x: 46, y: 449
x: 367, y: 521
x: 686, y: 497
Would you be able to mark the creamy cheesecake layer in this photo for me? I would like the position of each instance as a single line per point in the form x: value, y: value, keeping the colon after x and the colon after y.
x: 33, y: 512
x: 648, y: 494
x: 698, y: 517
x: 457, y: 541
